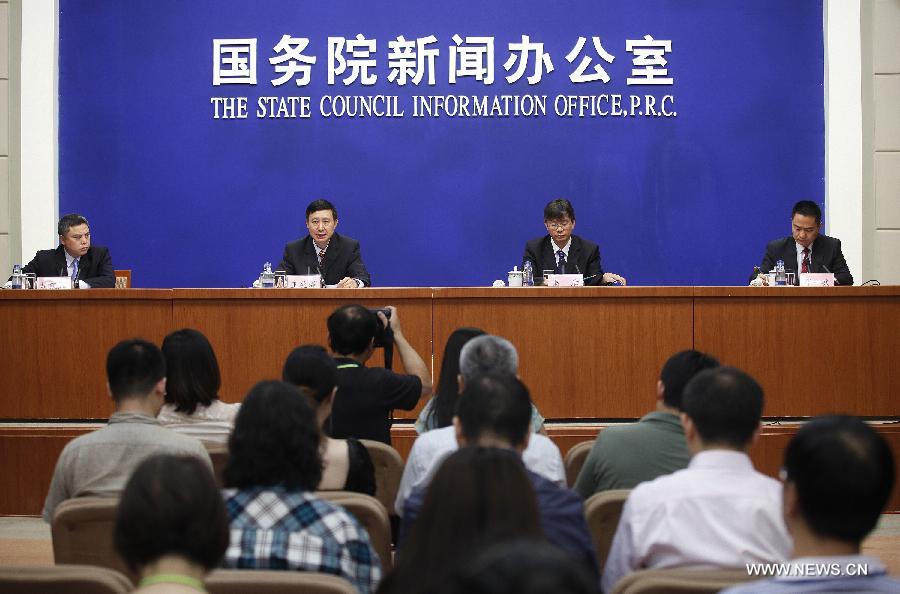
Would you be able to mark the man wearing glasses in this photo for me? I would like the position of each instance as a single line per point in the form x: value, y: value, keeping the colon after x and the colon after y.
x: 565, y: 253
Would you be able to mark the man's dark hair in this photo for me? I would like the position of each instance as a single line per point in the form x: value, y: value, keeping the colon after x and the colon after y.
x: 133, y: 367
x: 192, y: 371
x: 275, y: 440
x: 725, y: 405
x: 497, y: 404
x: 808, y: 208
x: 171, y: 506
x: 351, y: 328
x: 843, y: 471
x: 557, y: 209
x: 70, y: 220
x: 679, y: 370
x: 317, y: 205
x: 312, y: 370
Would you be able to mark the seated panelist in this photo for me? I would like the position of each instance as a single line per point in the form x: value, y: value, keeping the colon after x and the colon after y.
x: 88, y: 266
x: 563, y: 252
x: 807, y: 250
x: 334, y: 256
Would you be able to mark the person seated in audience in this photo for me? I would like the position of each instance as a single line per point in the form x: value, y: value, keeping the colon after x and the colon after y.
x: 171, y: 528
x: 626, y: 455
x: 347, y: 465
x: 838, y: 475
x: 439, y: 410
x: 368, y: 395
x: 519, y: 567
x: 193, y: 381
x: 99, y: 463
x: 718, y: 513
x: 494, y: 411
x: 479, y: 496
x: 481, y: 355
x: 277, y: 521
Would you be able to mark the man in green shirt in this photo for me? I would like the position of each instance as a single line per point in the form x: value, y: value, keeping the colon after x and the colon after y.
x: 626, y: 455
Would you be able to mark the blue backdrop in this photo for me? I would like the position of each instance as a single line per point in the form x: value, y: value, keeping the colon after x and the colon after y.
x: 187, y: 200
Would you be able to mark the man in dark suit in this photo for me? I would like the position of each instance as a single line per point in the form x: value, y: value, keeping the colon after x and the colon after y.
x: 88, y: 266
x: 806, y: 250
x: 336, y: 257
x: 563, y: 252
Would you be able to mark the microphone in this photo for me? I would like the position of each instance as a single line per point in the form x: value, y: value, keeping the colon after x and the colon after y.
x: 825, y: 268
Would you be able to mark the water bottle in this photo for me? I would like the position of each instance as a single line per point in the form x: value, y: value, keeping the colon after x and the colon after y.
x: 267, y: 277
x: 780, y: 278
x: 528, y: 267
x: 17, y: 277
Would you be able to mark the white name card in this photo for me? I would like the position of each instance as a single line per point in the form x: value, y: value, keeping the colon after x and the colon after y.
x: 816, y: 279
x: 303, y: 281
x: 565, y: 280
x: 53, y: 282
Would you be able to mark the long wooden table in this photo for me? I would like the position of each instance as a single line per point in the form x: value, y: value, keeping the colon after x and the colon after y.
x: 589, y: 355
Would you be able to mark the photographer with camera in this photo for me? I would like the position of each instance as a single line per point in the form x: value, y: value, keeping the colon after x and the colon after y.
x: 367, y: 395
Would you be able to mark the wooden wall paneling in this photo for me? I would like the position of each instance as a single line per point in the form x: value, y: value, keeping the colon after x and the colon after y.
x: 54, y: 346
x: 814, y: 350
x: 27, y: 459
x: 253, y: 330
x: 589, y: 352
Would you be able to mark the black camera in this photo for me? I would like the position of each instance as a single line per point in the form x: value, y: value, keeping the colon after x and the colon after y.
x: 384, y: 336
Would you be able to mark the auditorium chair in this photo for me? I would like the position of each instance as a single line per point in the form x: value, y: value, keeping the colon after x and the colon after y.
x: 123, y: 279
x: 63, y: 579
x: 602, y: 511
x: 369, y: 512
x: 218, y: 453
x: 388, y: 471
x: 257, y: 581
x: 575, y: 458
x: 680, y: 581
x: 82, y: 532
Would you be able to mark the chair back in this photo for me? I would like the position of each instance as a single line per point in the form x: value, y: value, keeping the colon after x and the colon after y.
x: 388, y: 472
x: 369, y: 512
x: 680, y: 581
x: 257, y: 581
x: 62, y: 579
x: 123, y: 279
x: 602, y: 512
x: 218, y: 453
x: 574, y: 460
x: 82, y: 532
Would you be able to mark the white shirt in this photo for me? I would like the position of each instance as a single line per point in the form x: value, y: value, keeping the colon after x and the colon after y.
x: 800, y: 249
x: 556, y: 249
x: 716, y: 513
x: 429, y: 450
x: 70, y: 261
x: 211, y: 424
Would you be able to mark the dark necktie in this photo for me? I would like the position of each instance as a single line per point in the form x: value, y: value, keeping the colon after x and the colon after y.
x: 804, y: 266
x: 560, y: 262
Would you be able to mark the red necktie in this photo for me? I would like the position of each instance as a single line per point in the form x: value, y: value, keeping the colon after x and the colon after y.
x: 804, y: 267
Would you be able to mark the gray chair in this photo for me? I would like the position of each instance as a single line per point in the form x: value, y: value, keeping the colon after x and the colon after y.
x: 369, y: 512
x: 388, y: 471
x: 602, y: 512
x: 680, y: 581
x: 574, y: 460
x: 63, y: 579
x: 241, y: 581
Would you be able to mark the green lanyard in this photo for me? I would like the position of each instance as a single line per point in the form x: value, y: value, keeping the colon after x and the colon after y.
x: 348, y: 365
x: 172, y: 578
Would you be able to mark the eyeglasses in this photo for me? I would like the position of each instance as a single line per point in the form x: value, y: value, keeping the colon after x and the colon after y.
x: 557, y: 224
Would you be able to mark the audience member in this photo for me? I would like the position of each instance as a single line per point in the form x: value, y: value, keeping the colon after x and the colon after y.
x: 439, y: 410
x: 481, y: 355
x: 718, y: 512
x: 519, y: 567
x: 626, y: 455
x: 369, y: 394
x: 347, y: 465
x: 480, y: 495
x: 838, y: 475
x: 171, y: 527
x: 99, y: 463
x: 192, y: 389
x: 494, y: 411
x: 277, y: 522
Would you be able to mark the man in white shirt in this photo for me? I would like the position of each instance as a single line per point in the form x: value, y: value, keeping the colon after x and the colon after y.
x: 481, y: 355
x: 718, y: 512
x: 838, y: 475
